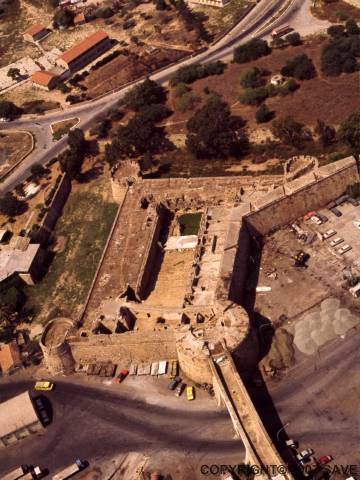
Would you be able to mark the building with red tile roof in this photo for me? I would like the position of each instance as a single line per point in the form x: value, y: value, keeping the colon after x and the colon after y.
x: 43, y: 79
x: 86, y: 51
x: 35, y: 32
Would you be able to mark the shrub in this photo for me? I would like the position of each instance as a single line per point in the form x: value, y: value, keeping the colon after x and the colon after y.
x: 180, y: 89
x: 342, y: 16
x: 190, y: 73
x: 300, y: 67
x: 339, y: 55
x: 104, y: 12
x: 251, y: 50
x: 186, y: 102
x: 251, y: 78
x: 263, y: 114
x: 352, y: 27
x: 336, y: 31
x: 293, y: 38
x: 129, y: 24
x: 253, y: 96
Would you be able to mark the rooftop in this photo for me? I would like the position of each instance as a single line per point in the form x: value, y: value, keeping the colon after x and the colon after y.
x: 9, y: 356
x: 42, y: 77
x: 35, y: 29
x: 77, y: 50
x: 16, y: 413
x: 14, y: 260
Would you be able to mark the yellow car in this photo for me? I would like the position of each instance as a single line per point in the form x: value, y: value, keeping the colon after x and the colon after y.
x: 190, y: 393
x: 44, y: 386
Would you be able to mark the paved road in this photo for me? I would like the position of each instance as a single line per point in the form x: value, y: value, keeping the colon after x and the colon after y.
x: 92, y: 422
x: 46, y: 149
x: 319, y: 397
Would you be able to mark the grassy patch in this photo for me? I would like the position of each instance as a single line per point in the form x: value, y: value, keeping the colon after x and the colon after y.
x: 83, y: 230
x: 189, y: 223
x: 62, y: 128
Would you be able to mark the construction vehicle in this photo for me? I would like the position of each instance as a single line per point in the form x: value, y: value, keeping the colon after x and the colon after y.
x: 301, y: 258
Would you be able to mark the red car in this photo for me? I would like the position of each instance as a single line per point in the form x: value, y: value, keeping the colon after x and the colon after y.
x: 121, y: 377
x: 324, y: 460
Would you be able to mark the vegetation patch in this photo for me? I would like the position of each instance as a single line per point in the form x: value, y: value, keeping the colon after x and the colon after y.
x: 62, y: 128
x: 85, y: 224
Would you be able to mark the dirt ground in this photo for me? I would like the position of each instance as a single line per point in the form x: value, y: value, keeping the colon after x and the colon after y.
x: 322, y: 93
x: 13, y: 147
x: 25, y: 94
x: 333, y: 10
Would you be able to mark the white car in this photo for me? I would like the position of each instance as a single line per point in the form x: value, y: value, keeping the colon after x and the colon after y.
x: 357, y: 224
x: 329, y: 233
x: 3, y: 119
x: 336, y: 241
x: 344, y: 248
x: 316, y: 220
x: 304, y: 454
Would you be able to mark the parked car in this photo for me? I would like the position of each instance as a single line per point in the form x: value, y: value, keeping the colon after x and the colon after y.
x: 316, y: 220
x: 121, y: 377
x: 174, y: 383
x: 336, y: 241
x: 357, y: 224
x: 353, y: 202
x: 329, y: 233
x: 324, y: 460
x: 322, y: 217
x: 304, y: 455
x: 44, y: 385
x: 291, y: 443
x: 179, y: 389
x: 345, y: 248
x: 190, y: 393
x: 336, y: 212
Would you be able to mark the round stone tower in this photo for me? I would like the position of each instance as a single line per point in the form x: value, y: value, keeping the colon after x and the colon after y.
x: 57, y: 352
x: 232, y: 331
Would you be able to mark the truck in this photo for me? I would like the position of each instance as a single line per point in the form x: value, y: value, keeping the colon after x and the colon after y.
x: 24, y: 472
x: 279, y: 32
x: 71, y: 470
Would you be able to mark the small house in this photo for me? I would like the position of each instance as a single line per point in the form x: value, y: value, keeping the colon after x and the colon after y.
x: 35, y: 33
x: 44, y: 80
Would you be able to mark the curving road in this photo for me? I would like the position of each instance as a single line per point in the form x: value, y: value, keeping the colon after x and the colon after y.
x: 251, y: 26
x: 94, y: 422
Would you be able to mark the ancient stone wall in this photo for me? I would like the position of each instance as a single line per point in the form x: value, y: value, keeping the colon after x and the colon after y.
x: 56, y: 350
x: 54, y: 211
x: 124, y: 348
x: 300, y: 196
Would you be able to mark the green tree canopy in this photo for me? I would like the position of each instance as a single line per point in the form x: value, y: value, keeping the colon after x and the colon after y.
x: 9, y: 110
x: 212, y: 133
x: 63, y: 18
x: 300, y: 67
x: 288, y: 130
x: 251, y: 50
x: 251, y: 78
x: 349, y: 132
x: 12, y: 206
x: 145, y: 94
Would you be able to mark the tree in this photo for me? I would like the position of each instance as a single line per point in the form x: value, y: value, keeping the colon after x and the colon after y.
x: 37, y: 170
x: 160, y: 5
x: 9, y: 110
x: 134, y: 139
x: 186, y: 102
x: 294, y: 39
x: 349, y: 132
x: 180, y: 89
x: 326, y: 133
x: 196, y: 71
x: 251, y: 50
x: 63, y: 18
x: 13, y: 73
x: 352, y: 27
x: 144, y: 94
x: 154, y: 112
x: 212, y: 133
x: 76, y: 141
x: 253, y: 96
x: 300, y: 67
x: 71, y: 163
x: 251, y: 78
x: 263, y: 114
x: 336, y: 31
x: 288, y: 130
x: 339, y: 55
x: 12, y: 206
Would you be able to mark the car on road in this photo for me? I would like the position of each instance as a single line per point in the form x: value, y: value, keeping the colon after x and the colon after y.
x: 345, y: 248
x: 336, y: 241
x: 190, y: 393
x: 174, y: 383
x: 324, y: 460
x: 179, y: 389
x: 121, y: 377
x: 44, y: 386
